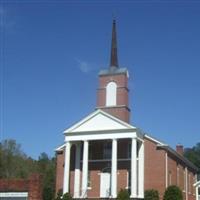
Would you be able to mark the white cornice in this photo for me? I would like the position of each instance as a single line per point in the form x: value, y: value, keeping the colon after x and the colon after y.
x: 95, y: 113
x: 155, y: 140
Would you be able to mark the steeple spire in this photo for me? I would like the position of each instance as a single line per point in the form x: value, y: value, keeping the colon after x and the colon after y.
x: 113, y: 56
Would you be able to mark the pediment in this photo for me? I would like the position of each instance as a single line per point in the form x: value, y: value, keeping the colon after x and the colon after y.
x: 99, y: 121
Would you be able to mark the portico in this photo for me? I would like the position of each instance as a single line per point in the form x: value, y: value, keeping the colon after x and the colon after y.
x: 76, y: 135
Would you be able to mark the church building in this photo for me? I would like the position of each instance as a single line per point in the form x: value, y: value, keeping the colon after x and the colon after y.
x: 103, y: 153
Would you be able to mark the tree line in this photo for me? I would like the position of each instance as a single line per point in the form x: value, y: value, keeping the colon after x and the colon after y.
x: 14, y: 163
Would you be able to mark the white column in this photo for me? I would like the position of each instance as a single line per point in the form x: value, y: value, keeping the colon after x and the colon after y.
x: 197, y: 193
x: 114, y: 169
x: 141, y: 172
x: 66, y: 168
x: 134, y: 168
x: 85, y: 169
x: 77, y: 172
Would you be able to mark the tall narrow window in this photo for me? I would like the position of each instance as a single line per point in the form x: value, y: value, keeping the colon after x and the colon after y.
x: 184, y: 181
x: 107, y: 150
x: 111, y: 94
x: 178, y: 183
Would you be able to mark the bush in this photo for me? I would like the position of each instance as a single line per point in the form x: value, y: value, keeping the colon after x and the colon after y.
x: 59, y: 195
x: 173, y: 193
x: 151, y: 195
x: 123, y: 195
x: 67, y: 196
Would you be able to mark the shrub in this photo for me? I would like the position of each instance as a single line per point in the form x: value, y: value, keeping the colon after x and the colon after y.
x: 123, y: 195
x: 173, y: 193
x: 67, y: 196
x: 151, y: 195
x: 59, y: 195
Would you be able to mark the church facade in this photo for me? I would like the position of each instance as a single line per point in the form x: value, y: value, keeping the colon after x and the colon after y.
x: 103, y: 153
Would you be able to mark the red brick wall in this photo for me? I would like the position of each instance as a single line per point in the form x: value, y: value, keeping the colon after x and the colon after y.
x: 59, y: 170
x: 173, y: 164
x: 119, y: 112
x: 33, y: 186
x: 121, y: 80
x: 154, y: 167
x: 172, y: 170
x: 155, y: 171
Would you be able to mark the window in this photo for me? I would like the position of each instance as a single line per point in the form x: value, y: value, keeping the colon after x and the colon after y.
x: 90, y: 151
x: 178, y: 182
x: 107, y: 150
x: 170, y: 178
x: 89, y: 180
x: 129, y: 150
x: 184, y: 188
x: 189, y: 184
x: 111, y: 94
x: 128, y: 180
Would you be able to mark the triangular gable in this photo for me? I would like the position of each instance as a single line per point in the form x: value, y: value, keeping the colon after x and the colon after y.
x: 99, y: 121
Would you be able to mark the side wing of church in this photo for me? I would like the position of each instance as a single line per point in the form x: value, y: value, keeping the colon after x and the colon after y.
x: 104, y: 153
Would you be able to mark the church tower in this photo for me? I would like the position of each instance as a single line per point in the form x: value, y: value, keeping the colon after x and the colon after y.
x: 112, y: 94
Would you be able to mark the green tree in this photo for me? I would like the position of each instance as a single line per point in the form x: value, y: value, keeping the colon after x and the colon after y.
x: 46, y: 167
x: 16, y: 164
x: 173, y: 193
x: 193, y: 154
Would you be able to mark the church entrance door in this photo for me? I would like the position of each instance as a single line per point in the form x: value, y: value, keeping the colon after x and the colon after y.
x: 105, y: 185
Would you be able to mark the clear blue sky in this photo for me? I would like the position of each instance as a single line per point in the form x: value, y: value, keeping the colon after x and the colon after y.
x: 52, y: 51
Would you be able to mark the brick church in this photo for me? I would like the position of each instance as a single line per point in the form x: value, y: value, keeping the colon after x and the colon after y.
x: 104, y: 153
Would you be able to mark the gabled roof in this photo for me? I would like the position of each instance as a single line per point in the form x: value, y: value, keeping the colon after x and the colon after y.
x: 179, y: 156
x: 167, y: 148
x: 99, y: 121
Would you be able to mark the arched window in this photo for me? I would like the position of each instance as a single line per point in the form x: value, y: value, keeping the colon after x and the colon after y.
x: 111, y: 94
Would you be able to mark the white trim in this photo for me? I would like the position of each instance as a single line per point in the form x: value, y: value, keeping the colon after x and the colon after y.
x: 13, y: 194
x: 60, y: 148
x: 186, y: 182
x: 84, y: 120
x: 154, y: 140
x: 105, y: 136
x: 197, y: 185
x: 166, y: 170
